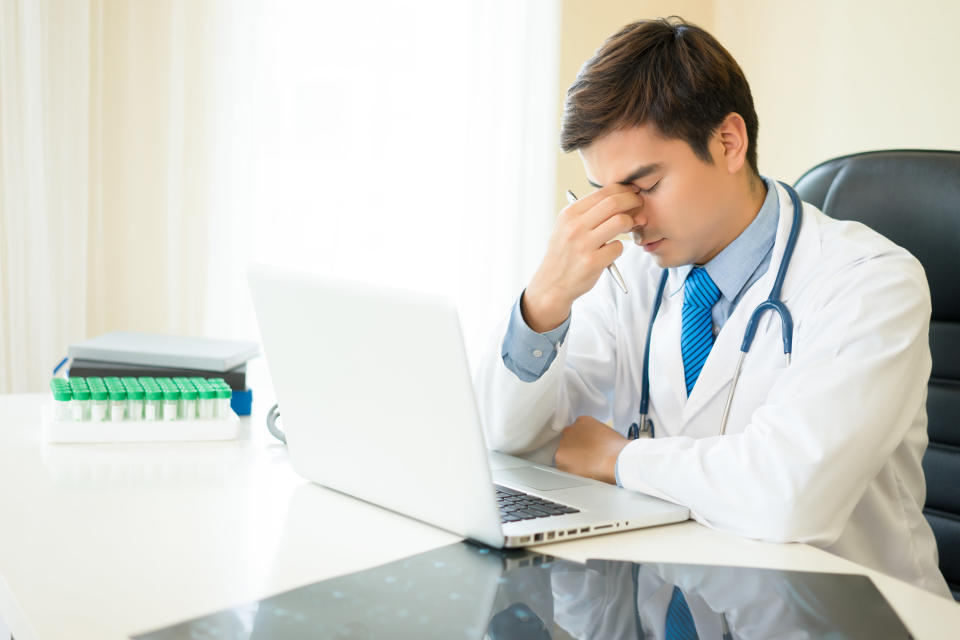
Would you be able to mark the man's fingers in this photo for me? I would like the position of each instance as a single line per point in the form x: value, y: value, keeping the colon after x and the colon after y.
x: 589, y: 201
x: 590, y: 448
x: 610, y: 206
x: 610, y: 252
x: 612, y: 227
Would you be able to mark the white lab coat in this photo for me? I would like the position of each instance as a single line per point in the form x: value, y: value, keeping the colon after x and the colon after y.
x: 824, y: 451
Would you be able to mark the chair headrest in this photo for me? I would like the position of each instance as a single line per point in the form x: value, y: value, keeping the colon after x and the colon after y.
x: 912, y: 197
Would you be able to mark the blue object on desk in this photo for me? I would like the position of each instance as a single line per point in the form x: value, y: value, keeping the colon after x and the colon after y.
x: 241, y: 402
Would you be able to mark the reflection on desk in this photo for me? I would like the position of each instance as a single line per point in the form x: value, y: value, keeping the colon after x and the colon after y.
x: 467, y: 591
x: 140, y: 465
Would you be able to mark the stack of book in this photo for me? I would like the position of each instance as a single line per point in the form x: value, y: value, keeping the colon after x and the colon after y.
x: 134, y: 354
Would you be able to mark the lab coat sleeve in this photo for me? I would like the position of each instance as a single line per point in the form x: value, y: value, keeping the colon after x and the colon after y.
x: 829, y: 423
x: 518, y: 416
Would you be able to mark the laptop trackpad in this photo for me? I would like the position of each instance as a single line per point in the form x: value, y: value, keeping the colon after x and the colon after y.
x: 541, y: 479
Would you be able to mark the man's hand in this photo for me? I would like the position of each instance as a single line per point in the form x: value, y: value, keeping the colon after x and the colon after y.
x: 590, y: 448
x: 578, y: 253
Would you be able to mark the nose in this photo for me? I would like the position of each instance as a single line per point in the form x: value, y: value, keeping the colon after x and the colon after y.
x: 639, y: 217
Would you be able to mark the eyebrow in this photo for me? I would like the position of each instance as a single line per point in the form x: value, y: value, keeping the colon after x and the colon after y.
x: 640, y: 172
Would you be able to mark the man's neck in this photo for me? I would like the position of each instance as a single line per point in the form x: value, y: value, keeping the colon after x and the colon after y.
x: 743, y: 211
x: 748, y: 209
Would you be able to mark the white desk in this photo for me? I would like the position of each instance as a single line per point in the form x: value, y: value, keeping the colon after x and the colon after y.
x: 105, y: 541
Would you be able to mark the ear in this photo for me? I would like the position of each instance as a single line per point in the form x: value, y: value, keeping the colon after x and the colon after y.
x: 732, y: 135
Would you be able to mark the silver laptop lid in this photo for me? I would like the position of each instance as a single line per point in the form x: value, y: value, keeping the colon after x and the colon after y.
x: 375, y: 393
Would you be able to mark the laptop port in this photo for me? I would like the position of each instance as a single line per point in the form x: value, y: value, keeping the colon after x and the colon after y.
x: 584, y: 529
x: 550, y: 535
x: 524, y: 539
x: 538, y: 537
x: 572, y: 532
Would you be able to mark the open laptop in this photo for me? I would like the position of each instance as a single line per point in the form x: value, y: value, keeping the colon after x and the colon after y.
x: 377, y: 402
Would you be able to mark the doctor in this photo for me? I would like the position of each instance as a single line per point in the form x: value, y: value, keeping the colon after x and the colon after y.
x: 823, y: 447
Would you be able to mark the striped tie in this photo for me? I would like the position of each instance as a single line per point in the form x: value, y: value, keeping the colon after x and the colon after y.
x: 679, y: 622
x: 696, y: 337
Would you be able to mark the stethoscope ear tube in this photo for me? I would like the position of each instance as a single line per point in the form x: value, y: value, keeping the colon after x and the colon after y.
x: 785, y: 320
x: 636, y: 431
x: 773, y: 302
x: 733, y: 387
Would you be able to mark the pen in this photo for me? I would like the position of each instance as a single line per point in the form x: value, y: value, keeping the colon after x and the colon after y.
x: 612, y: 268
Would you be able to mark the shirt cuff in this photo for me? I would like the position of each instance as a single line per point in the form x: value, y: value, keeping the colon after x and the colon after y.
x: 525, y: 352
x: 616, y: 467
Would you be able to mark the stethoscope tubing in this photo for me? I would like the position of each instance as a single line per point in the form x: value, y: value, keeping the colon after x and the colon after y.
x: 772, y: 303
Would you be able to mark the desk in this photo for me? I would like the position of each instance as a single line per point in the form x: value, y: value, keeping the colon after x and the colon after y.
x: 105, y: 541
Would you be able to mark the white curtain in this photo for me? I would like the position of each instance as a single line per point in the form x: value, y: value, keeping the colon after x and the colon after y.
x: 409, y: 143
x: 155, y: 148
x: 44, y: 185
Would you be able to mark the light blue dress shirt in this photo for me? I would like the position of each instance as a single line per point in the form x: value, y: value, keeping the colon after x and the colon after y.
x: 528, y: 354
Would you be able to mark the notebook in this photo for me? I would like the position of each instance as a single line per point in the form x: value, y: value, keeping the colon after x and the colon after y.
x: 157, y: 350
x: 377, y: 402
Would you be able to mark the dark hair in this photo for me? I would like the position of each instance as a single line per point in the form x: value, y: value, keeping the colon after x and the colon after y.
x: 667, y: 72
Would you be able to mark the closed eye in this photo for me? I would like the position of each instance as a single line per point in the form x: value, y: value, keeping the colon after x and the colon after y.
x: 651, y: 189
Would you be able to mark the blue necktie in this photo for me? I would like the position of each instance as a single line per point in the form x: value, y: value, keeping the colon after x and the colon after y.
x: 696, y: 337
x: 679, y: 623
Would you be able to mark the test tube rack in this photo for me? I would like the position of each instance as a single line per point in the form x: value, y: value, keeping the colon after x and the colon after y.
x: 101, y: 410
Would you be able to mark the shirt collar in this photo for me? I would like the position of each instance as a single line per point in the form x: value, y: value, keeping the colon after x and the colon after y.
x: 732, y: 267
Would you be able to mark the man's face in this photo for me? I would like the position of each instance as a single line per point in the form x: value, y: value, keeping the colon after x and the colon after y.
x: 684, y: 218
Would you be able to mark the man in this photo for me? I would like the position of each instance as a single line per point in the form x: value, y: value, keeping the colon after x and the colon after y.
x: 821, y: 447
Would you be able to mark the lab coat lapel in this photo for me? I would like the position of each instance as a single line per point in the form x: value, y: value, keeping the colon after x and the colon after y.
x: 718, y: 369
x: 666, y: 361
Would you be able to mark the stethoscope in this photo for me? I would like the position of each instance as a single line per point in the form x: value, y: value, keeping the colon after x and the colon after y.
x: 773, y: 303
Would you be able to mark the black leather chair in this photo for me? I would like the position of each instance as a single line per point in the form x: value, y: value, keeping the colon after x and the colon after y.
x: 913, y: 198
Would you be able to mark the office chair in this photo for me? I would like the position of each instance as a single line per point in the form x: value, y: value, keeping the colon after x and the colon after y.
x: 913, y: 198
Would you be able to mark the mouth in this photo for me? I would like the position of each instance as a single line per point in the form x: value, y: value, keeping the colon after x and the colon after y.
x: 646, y: 244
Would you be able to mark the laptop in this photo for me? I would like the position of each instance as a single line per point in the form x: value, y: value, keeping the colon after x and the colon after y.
x: 377, y: 402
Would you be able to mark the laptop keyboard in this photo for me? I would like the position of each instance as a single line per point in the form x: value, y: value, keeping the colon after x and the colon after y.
x: 516, y: 505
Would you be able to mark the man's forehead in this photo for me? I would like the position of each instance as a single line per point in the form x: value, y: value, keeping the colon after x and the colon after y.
x: 625, y: 155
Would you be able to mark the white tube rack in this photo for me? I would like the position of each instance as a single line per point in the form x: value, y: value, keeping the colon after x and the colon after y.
x: 71, y: 431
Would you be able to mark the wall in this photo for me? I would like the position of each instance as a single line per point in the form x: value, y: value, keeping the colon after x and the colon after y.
x: 832, y: 77
x: 829, y: 77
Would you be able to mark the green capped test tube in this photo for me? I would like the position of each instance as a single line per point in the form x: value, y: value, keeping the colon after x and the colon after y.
x: 171, y: 398
x: 118, y: 401
x: 188, y: 399
x: 224, y: 394
x: 207, y: 398
x: 100, y: 400
x: 135, y: 396
x: 80, y: 404
x: 61, y: 399
x: 153, y: 399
